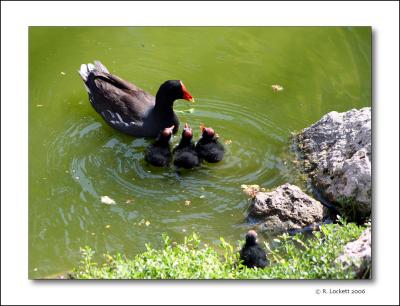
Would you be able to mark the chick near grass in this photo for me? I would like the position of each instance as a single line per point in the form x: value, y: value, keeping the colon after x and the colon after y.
x: 252, y: 254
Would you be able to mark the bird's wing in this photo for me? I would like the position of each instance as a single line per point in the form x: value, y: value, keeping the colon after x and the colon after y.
x: 119, y: 95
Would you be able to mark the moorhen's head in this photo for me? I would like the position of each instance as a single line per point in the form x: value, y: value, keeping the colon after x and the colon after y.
x: 172, y: 90
x: 251, y: 237
x: 165, y: 135
x: 207, y: 132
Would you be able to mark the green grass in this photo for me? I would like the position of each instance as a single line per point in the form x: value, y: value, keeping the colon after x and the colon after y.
x: 292, y: 257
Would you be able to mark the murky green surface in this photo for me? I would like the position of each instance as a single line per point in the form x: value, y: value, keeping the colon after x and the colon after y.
x: 75, y: 158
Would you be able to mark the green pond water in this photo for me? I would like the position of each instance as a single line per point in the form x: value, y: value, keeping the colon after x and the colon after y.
x: 75, y: 158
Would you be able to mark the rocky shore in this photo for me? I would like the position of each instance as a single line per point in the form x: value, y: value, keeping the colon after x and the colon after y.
x: 335, y: 154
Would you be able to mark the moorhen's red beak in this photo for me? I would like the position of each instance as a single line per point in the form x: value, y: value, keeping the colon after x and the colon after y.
x: 186, y: 125
x: 186, y: 95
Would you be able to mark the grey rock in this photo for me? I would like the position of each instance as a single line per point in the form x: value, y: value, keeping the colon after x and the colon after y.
x: 337, y: 157
x: 286, y: 208
x: 357, y: 255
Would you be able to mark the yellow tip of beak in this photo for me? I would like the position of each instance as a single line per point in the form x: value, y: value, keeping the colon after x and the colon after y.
x: 191, y: 100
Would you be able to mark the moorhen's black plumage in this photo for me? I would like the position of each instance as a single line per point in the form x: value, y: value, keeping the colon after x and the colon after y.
x: 251, y: 253
x: 185, y: 155
x: 159, y: 153
x: 208, y: 147
x: 129, y: 109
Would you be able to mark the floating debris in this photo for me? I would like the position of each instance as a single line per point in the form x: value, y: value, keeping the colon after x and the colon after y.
x: 187, y: 203
x: 178, y: 211
x: 251, y: 190
x: 77, y: 177
x: 93, y: 234
x: 108, y: 226
x: 108, y: 257
x: 183, y: 230
x: 39, y: 105
x: 276, y: 87
x: 129, y: 201
x: 63, y: 73
x: 147, y: 223
x: 107, y: 200
x: 202, y: 196
x: 228, y: 142
x: 185, y: 111
x: 35, y: 269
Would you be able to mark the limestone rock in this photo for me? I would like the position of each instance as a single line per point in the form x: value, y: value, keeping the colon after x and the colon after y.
x: 357, y: 255
x: 337, y: 157
x: 286, y: 208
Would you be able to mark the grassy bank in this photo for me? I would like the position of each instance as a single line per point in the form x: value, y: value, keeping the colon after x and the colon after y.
x: 290, y: 257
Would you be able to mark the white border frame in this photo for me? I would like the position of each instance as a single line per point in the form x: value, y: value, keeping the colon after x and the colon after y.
x: 15, y: 19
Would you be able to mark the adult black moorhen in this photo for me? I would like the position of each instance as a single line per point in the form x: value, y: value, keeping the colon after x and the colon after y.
x: 252, y: 254
x: 129, y: 109
x: 185, y: 155
x: 159, y: 153
x: 208, y: 147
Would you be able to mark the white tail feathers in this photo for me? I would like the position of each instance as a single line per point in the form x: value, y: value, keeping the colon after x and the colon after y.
x: 101, y: 67
x: 87, y: 68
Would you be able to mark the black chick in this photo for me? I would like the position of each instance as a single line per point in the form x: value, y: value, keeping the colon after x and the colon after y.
x: 252, y: 254
x: 185, y: 155
x: 159, y: 153
x: 208, y: 147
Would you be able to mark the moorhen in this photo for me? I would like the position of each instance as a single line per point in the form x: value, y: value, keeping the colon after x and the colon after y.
x: 159, y: 153
x: 252, y: 254
x: 129, y: 109
x: 185, y: 155
x: 208, y: 147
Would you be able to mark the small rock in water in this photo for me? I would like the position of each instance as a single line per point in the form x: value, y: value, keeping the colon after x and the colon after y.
x: 107, y: 200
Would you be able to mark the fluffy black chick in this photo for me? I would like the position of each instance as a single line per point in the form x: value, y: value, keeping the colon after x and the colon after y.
x: 252, y: 254
x: 159, y: 153
x: 185, y: 155
x: 208, y: 147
